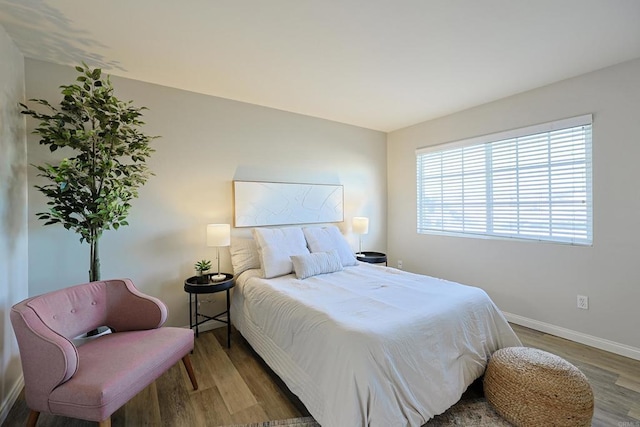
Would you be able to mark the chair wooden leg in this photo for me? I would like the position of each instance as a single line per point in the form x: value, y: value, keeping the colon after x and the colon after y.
x: 33, y: 418
x: 105, y: 423
x: 187, y: 364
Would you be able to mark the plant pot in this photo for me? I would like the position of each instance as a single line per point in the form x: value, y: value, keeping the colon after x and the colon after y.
x: 203, y: 277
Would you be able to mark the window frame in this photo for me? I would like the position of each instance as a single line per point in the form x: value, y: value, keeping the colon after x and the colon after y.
x: 583, y: 237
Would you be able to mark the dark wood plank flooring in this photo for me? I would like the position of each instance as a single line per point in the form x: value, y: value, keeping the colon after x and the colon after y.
x: 237, y: 387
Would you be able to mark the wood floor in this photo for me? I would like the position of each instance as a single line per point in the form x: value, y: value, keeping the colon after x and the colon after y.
x: 237, y: 387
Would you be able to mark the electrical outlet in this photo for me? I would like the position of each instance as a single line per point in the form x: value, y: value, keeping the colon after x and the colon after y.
x: 400, y: 264
x: 583, y: 302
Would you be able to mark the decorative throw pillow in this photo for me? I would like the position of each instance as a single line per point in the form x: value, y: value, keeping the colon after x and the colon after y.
x: 316, y: 263
x: 276, y: 246
x: 324, y: 239
x: 244, y: 255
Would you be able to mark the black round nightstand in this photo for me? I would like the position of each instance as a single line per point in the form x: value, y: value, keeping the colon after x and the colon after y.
x: 372, y: 257
x: 193, y: 287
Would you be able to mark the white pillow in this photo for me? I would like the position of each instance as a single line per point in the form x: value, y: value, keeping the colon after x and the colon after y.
x: 316, y: 263
x: 276, y: 246
x: 244, y: 255
x: 324, y: 239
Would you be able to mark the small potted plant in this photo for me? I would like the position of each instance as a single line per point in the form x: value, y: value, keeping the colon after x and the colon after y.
x: 202, y: 267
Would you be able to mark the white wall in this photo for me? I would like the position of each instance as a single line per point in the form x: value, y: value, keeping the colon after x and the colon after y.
x: 540, y: 281
x: 206, y: 143
x: 13, y: 215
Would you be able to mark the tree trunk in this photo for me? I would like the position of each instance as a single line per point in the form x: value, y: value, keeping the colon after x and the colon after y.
x: 94, y: 261
x: 94, y: 269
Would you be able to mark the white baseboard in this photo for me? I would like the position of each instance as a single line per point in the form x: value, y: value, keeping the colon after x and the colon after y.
x: 590, y: 340
x: 10, y: 399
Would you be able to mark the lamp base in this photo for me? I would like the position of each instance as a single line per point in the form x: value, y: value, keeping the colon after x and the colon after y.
x: 360, y: 255
x: 217, y: 277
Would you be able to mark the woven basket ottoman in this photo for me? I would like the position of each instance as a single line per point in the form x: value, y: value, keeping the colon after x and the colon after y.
x: 530, y: 387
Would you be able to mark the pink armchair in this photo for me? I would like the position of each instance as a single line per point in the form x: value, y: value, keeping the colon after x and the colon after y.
x: 93, y: 380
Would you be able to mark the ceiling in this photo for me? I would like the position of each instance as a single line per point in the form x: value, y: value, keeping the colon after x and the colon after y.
x: 378, y: 64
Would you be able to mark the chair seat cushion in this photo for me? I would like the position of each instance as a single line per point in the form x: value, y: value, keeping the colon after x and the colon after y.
x: 114, y: 368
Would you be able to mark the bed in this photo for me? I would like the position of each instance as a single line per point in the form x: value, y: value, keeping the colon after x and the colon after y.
x: 361, y: 345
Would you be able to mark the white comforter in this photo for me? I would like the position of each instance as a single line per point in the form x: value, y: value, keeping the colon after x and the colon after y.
x: 371, y: 346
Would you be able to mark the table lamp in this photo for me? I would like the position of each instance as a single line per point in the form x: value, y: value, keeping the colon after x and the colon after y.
x: 218, y: 235
x: 360, y: 227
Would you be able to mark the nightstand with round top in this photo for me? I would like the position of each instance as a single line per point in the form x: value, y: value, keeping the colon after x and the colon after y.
x: 193, y: 287
x: 372, y: 257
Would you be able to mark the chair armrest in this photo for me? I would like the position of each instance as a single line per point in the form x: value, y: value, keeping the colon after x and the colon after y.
x: 48, y: 358
x: 128, y: 309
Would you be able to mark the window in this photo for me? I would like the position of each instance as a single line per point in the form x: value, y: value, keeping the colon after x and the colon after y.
x: 530, y: 183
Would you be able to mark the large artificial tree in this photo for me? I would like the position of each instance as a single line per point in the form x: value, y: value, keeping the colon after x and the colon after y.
x: 91, y: 190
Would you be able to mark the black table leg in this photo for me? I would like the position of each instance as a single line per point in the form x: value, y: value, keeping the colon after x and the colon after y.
x: 190, y: 312
x: 228, y: 321
x: 197, y: 323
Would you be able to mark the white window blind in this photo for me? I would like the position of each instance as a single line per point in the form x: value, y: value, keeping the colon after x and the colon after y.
x: 530, y: 183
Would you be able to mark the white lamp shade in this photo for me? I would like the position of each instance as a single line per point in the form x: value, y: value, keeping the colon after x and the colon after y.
x: 360, y: 225
x: 218, y: 235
